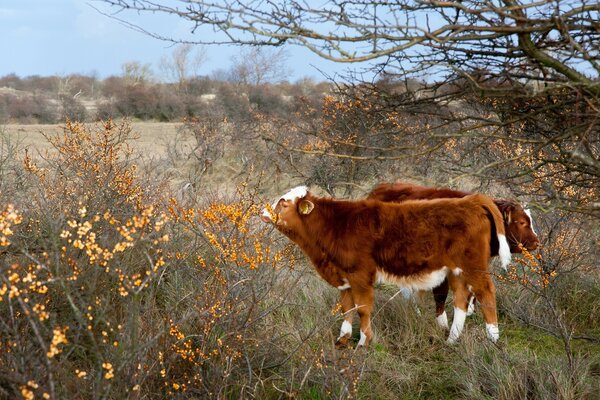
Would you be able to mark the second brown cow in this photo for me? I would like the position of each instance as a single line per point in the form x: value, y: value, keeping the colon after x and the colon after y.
x: 517, y: 225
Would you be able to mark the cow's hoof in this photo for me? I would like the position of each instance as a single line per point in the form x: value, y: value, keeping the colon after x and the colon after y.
x: 342, y: 342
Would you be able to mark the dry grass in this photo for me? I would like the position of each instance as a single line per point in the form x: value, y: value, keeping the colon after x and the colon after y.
x: 151, y: 139
x: 118, y: 285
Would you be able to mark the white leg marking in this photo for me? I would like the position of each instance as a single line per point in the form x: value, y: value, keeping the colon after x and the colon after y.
x: 457, y: 325
x: 471, y: 306
x: 346, y: 329
x: 345, y: 286
x: 442, y: 320
x: 457, y: 271
x: 493, y: 332
x: 363, y: 339
x: 504, y: 251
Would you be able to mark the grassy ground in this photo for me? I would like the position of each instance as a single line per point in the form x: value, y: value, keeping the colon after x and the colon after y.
x: 120, y: 285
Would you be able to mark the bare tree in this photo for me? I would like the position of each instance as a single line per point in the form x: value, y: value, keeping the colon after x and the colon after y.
x: 136, y: 73
x: 183, y: 63
x: 257, y: 65
x: 523, y: 73
x: 557, y: 36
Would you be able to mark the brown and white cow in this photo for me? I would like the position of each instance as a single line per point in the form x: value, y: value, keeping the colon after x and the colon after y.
x: 417, y: 244
x: 517, y: 220
x: 518, y: 226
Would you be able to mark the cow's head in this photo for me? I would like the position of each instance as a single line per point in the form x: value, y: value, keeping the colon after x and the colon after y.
x: 287, y: 211
x: 519, y: 227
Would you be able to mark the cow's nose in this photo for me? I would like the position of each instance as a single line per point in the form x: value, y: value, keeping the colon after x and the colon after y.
x: 534, y: 244
x: 266, y: 216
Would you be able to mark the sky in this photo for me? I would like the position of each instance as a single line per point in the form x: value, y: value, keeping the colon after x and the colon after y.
x: 62, y: 37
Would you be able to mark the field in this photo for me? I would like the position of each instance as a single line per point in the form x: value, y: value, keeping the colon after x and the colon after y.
x: 134, y: 265
x: 152, y: 137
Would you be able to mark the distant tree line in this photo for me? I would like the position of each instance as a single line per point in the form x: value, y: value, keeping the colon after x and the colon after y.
x: 52, y: 99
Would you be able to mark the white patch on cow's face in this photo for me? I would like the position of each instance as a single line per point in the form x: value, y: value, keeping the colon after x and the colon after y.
x: 504, y: 252
x: 345, y: 286
x: 294, y: 194
x: 346, y: 329
x: 457, y: 325
x: 493, y: 332
x: 528, y: 212
x: 470, y: 288
x: 363, y: 339
x: 417, y: 281
x: 442, y: 320
x: 457, y: 271
x: 266, y: 215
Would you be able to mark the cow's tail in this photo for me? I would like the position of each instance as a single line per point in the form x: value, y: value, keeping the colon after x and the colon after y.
x: 497, y: 225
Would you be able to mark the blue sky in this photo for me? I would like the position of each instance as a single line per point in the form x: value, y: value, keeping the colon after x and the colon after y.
x: 61, y: 37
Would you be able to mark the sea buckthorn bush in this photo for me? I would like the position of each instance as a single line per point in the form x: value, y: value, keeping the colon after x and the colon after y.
x: 110, y: 288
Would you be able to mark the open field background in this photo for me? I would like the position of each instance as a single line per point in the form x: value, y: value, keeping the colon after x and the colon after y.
x: 137, y: 268
x: 152, y: 138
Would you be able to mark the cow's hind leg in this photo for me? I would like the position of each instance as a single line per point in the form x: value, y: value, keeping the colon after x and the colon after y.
x: 440, y: 293
x: 461, y: 294
x: 485, y: 292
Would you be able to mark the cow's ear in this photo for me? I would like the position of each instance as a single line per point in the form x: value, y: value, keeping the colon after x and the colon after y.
x: 508, y: 211
x: 305, y: 207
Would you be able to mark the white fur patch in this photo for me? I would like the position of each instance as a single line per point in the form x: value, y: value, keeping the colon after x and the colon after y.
x: 504, y: 252
x: 363, y: 339
x: 267, y: 214
x: 293, y: 194
x: 407, y: 293
x: 458, y: 322
x: 457, y: 271
x: 528, y: 212
x: 442, y: 320
x: 346, y: 329
x: 493, y: 332
x: 470, y: 288
x: 417, y: 281
x: 345, y: 286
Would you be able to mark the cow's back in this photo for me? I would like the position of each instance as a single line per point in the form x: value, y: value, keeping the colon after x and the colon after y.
x: 422, y: 236
x: 398, y: 192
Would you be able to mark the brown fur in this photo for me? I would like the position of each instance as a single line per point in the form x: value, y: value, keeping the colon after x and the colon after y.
x: 517, y: 223
x: 349, y: 241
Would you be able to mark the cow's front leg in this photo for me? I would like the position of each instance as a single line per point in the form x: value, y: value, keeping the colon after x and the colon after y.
x: 363, y: 296
x: 347, y: 303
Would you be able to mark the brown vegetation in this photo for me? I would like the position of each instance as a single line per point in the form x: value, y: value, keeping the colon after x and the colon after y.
x: 118, y: 279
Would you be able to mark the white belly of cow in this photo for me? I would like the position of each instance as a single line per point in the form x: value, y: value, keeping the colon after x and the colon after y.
x: 424, y: 281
